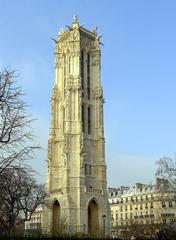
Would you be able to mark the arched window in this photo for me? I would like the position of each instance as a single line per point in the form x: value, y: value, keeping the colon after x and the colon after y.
x: 82, y: 118
x: 93, y: 218
x: 89, y: 120
x: 56, y: 218
x: 82, y: 71
x: 88, y: 76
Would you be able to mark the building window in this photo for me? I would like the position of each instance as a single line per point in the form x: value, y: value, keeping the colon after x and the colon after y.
x: 88, y: 76
x: 125, y: 207
x: 164, y: 221
x: 172, y: 220
x: 126, y: 216
x: 89, y: 120
x: 86, y: 172
x: 131, y: 208
x: 151, y: 205
x: 121, y: 208
x: 82, y: 72
x: 90, y: 170
x: 82, y: 118
x: 170, y: 204
x: 141, y: 206
x: 163, y: 204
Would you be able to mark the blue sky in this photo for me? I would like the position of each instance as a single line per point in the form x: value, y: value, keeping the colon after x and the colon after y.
x: 138, y: 74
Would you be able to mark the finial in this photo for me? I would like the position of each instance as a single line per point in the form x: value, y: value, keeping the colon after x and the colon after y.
x: 94, y: 30
x: 75, y: 23
x: 75, y: 19
x: 61, y: 31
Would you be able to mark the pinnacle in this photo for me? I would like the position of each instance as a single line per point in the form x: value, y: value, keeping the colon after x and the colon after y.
x: 75, y: 19
x: 75, y: 23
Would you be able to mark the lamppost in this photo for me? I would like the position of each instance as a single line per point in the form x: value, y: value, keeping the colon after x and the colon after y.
x: 84, y: 228
x: 104, y: 221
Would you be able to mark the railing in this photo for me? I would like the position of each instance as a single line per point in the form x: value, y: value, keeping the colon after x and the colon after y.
x: 93, y: 190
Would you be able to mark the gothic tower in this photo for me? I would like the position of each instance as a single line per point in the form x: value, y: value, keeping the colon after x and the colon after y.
x: 76, y: 178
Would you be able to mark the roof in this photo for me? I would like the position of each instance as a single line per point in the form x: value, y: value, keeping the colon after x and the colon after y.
x: 76, y: 26
x: 161, y: 185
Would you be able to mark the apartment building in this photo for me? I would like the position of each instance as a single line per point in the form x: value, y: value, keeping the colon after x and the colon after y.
x: 143, y: 204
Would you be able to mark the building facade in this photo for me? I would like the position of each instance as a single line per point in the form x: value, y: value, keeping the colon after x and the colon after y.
x: 76, y: 179
x: 34, y: 225
x: 152, y: 205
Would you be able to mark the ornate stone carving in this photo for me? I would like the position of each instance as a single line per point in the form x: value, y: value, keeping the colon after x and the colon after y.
x: 49, y: 149
x: 65, y: 158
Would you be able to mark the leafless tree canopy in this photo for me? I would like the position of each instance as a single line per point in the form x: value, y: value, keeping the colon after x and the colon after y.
x: 19, y: 192
x: 19, y: 196
x: 166, y: 168
x: 15, y: 123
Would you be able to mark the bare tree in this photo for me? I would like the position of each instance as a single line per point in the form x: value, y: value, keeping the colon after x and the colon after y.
x: 15, y: 123
x: 20, y: 195
x: 166, y: 168
x: 19, y: 192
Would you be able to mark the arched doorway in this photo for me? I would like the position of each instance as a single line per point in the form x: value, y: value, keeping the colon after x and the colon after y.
x: 93, y: 219
x: 56, y: 218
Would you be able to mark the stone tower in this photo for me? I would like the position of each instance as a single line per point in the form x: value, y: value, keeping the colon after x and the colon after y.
x: 76, y: 180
